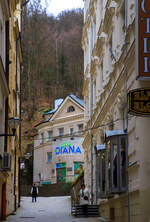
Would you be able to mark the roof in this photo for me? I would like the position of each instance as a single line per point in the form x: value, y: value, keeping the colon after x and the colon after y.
x: 76, y: 99
x: 58, y: 103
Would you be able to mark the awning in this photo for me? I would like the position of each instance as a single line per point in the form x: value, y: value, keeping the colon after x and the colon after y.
x: 110, y: 133
x: 100, y: 147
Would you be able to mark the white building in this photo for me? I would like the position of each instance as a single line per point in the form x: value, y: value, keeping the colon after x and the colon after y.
x: 117, y: 162
x: 58, y: 144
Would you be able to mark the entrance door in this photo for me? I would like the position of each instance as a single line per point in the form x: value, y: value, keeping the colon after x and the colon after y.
x: 61, y: 172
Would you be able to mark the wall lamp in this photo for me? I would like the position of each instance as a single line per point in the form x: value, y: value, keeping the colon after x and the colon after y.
x: 13, y: 123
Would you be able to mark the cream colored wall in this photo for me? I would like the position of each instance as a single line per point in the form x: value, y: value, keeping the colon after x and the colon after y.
x: 113, y: 84
x: 61, y: 119
x: 42, y: 166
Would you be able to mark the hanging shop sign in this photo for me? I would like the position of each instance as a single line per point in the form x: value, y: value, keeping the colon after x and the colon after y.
x: 139, y: 102
x: 143, y: 39
x: 67, y: 148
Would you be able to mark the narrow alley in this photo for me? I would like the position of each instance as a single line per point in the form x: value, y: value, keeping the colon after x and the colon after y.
x: 47, y: 209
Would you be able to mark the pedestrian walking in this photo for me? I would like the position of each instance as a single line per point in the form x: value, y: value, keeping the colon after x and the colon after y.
x: 84, y: 198
x: 34, y: 192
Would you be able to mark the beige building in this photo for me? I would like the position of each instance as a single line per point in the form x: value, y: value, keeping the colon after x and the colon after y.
x: 117, y: 147
x: 11, y: 14
x: 4, y: 92
x: 58, y: 144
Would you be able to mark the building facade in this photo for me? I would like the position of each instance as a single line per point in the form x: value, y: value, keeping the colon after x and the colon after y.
x: 58, y: 149
x: 4, y: 92
x: 11, y: 13
x: 117, y: 145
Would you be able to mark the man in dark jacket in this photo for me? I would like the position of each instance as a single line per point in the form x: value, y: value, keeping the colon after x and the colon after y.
x: 34, y: 192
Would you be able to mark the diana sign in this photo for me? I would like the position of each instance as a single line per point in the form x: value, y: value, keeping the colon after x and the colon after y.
x: 139, y: 102
x: 67, y: 149
x: 143, y: 39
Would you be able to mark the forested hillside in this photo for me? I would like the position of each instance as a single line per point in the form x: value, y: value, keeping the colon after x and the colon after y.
x: 52, y: 57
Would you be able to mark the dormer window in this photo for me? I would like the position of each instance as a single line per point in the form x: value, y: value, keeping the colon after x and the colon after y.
x: 70, y: 109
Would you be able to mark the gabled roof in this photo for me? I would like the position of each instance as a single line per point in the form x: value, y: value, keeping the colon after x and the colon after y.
x: 80, y: 102
x: 76, y: 99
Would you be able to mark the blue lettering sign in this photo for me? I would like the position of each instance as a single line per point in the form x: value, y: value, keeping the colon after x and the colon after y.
x: 57, y: 150
x: 78, y: 150
x: 68, y: 150
x: 65, y: 150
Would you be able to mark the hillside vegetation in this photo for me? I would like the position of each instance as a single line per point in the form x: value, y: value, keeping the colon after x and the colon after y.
x: 53, y: 58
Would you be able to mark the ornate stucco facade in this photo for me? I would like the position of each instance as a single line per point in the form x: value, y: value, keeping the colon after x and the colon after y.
x: 118, y: 143
x: 58, y: 144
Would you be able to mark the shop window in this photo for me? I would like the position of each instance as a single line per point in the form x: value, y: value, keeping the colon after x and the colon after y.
x: 113, y: 165
x: 78, y: 167
x: 70, y: 109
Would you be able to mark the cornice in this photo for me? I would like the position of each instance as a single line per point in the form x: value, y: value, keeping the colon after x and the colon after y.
x: 113, y: 86
x: 64, y: 120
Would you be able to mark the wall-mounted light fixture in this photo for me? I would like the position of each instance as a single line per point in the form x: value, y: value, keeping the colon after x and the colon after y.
x: 13, y: 123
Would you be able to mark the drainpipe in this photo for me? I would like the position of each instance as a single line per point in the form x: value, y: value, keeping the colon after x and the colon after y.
x: 126, y: 73
x: 91, y: 111
x: 15, y: 157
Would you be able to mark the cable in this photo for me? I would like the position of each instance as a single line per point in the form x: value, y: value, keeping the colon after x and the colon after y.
x: 79, y: 134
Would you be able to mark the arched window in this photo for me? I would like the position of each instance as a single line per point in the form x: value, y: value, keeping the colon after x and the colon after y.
x: 70, y: 109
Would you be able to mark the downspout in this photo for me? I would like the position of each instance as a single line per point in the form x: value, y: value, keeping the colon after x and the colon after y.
x: 91, y: 111
x: 16, y: 115
x: 126, y: 73
x: 7, y: 77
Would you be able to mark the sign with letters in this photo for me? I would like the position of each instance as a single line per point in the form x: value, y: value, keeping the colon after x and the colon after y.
x: 67, y: 148
x: 139, y: 102
x: 143, y: 39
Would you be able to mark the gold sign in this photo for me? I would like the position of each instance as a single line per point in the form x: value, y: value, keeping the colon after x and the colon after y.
x: 139, y: 101
x: 143, y: 39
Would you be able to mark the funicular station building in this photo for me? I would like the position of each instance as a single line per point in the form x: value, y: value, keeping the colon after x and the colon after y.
x: 58, y: 151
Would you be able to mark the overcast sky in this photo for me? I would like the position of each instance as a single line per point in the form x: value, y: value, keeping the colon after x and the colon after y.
x: 56, y: 6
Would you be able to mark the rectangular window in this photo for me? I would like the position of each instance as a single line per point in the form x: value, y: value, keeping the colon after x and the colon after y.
x: 42, y: 137
x: 69, y: 169
x: 49, y: 157
x: 50, y: 135
x: 80, y: 128
x: 113, y: 166
x: 61, y: 131
x: 71, y: 131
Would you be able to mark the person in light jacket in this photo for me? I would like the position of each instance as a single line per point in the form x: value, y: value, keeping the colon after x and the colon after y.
x: 34, y: 192
x: 84, y: 198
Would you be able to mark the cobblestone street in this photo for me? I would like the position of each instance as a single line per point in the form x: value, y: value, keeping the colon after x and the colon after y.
x: 47, y: 209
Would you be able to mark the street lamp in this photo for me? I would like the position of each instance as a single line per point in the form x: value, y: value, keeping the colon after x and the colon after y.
x: 13, y: 123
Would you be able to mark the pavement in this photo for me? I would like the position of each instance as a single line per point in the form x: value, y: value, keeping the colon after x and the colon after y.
x: 47, y: 209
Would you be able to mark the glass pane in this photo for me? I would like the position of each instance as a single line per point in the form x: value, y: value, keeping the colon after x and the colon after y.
x: 102, y: 173
x: 123, y: 161
x: 115, y: 165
